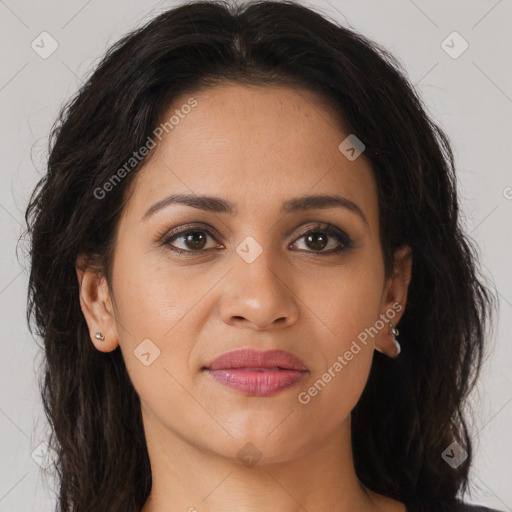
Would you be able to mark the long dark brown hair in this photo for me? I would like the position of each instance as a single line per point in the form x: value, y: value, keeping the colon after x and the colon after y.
x: 413, y: 407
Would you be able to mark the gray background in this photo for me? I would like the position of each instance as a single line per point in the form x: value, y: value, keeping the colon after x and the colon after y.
x: 470, y: 96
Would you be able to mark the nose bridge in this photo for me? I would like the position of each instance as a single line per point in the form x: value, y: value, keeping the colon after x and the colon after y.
x: 257, y: 291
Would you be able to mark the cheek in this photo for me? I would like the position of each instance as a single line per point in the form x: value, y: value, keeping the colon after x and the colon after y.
x: 346, y: 308
x: 334, y: 389
x: 346, y: 300
x: 154, y: 305
x: 153, y: 296
x: 347, y: 351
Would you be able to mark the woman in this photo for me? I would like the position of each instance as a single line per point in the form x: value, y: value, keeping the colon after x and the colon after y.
x: 250, y: 277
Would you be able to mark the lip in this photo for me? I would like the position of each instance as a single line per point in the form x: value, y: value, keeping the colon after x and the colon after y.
x: 257, y: 373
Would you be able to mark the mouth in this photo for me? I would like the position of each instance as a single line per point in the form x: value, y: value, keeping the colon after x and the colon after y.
x: 257, y: 373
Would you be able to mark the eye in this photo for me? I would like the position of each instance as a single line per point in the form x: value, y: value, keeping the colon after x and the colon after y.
x: 317, y: 238
x: 193, y: 239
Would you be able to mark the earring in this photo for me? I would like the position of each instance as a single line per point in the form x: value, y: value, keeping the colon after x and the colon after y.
x: 99, y: 336
x: 394, y: 332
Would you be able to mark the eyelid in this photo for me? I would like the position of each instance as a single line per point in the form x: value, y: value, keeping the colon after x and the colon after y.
x: 319, y: 226
x: 185, y: 228
x: 330, y: 230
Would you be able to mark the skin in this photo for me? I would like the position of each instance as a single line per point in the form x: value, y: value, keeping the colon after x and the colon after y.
x: 256, y: 147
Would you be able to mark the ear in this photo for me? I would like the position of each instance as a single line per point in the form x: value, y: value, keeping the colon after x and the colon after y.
x: 394, y: 298
x: 96, y: 305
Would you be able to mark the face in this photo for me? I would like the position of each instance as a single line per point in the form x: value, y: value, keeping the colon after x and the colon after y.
x: 257, y: 268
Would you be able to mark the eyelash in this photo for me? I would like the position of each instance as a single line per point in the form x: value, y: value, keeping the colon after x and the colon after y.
x: 328, y: 229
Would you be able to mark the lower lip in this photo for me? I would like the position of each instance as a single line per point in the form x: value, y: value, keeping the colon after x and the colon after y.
x: 257, y: 383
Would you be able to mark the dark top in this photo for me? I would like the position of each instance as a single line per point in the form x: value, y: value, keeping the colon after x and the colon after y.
x: 466, y: 507
x: 463, y: 507
x: 475, y: 508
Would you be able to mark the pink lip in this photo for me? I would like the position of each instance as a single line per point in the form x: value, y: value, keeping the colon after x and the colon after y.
x: 257, y: 373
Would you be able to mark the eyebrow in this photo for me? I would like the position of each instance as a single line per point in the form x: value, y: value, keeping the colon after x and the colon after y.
x: 218, y: 205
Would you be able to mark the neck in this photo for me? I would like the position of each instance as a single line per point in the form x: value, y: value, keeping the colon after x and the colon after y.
x: 189, y: 478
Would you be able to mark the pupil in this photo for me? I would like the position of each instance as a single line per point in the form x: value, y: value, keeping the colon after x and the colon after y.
x: 193, y: 237
x: 314, y: 238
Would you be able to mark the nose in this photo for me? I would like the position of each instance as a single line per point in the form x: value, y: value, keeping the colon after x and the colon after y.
x: 258, y: 296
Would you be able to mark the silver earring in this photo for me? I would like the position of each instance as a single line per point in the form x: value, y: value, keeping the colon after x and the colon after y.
x: 99, y: 336
x: 394, y: 332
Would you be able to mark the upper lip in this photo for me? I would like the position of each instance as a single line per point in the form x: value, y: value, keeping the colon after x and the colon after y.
x: 251, y: 358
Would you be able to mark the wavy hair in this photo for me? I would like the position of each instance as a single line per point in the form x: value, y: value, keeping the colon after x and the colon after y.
x: 412, y: 407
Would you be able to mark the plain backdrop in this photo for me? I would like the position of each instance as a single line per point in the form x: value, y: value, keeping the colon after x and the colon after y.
x: 468, y: 92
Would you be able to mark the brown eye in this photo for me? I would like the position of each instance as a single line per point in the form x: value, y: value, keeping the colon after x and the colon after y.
x: 320, y: 237
x: 191, y: 240
x: 316, y: 240
x: 195, y: 240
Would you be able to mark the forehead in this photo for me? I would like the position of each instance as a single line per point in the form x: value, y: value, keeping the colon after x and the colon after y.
x: 256, y: 146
